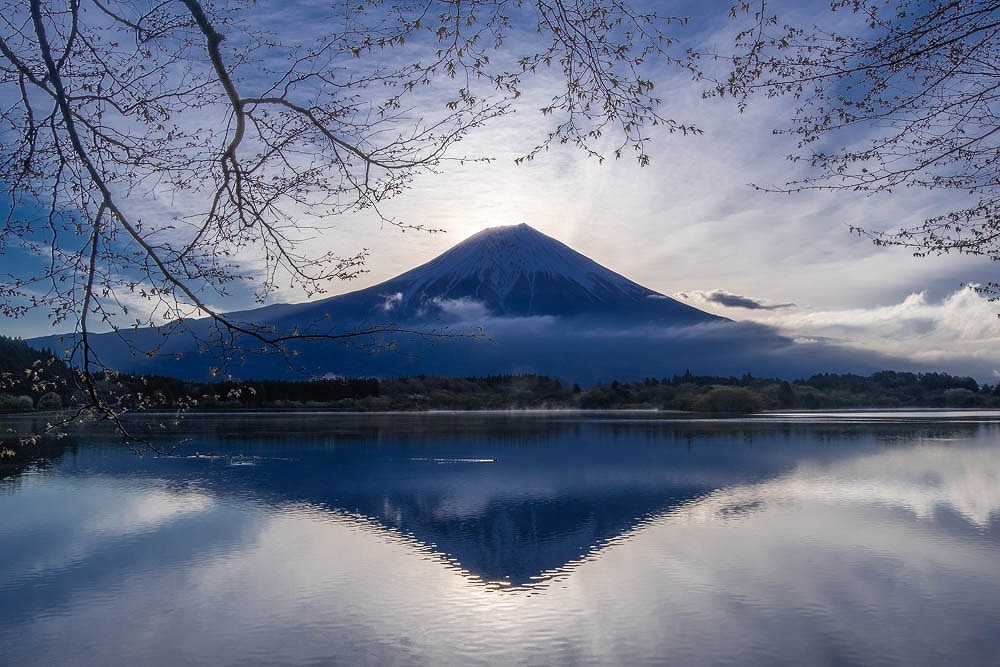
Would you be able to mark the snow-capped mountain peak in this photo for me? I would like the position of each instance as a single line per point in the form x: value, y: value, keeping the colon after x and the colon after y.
x: 499, y: 257
x: 517, y: 270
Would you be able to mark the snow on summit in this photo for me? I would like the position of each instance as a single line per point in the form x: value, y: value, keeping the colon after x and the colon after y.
x: 518, y: 271
x: 499, y: 257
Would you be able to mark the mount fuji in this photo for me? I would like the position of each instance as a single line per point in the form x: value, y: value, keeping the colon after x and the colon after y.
x: 542, y: 307
x: 505, y: 272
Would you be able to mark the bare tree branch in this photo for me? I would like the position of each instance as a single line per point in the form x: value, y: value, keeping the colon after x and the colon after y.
x: 909, y: 97
x: 150, y: 148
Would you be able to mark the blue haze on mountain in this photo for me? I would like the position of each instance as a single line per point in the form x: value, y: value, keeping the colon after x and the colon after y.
x: 532, y: 304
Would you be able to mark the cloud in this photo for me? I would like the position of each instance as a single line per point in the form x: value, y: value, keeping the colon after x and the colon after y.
x: 959, y: 332
x: 463, y: 310
x: 391, y: 300
x: 730, y: 300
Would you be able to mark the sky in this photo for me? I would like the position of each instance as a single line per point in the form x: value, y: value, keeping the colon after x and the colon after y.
x: 690, y: 225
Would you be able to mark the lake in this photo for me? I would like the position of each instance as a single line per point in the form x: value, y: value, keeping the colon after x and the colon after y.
x: 867, y: 538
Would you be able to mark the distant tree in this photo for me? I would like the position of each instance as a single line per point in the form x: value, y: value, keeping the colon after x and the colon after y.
x: 786, y: 396
x: 960, y: 397
x: 50, y: 401
x: 907, y: 95
x: 24, y: 370
x: 148, y: 147
x: 728, y: 399
x: 20, y: 403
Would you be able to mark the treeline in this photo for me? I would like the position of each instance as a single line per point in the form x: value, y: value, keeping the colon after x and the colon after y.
x: 885, y: 389
x: 36, y: 380
x: 32, y: 379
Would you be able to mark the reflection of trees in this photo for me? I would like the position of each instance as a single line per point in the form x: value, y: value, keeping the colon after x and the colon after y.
x: 21, y: 457
x: 319, y: 428
x: 520, y: 428
x: 921, y: 432
x: 526, y: 428
x: 694, y: 431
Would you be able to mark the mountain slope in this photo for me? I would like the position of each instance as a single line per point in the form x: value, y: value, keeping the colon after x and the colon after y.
x: 520, y: 271
x: 513, y: 271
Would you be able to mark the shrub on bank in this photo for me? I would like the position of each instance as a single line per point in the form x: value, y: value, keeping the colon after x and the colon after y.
x: 50, y: 401
x: 10, y: 403
x: 728, y: 399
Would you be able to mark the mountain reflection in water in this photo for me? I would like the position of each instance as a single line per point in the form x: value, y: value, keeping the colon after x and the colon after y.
x: 510, y: 499
x: 614, y: 539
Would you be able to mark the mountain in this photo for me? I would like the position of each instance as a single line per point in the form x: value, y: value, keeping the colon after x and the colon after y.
x: 513, y: 271
x: 542, y: 307
x: 517, y: 271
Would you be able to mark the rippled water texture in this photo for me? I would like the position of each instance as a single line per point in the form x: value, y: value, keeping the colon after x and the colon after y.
x: 869, y: 539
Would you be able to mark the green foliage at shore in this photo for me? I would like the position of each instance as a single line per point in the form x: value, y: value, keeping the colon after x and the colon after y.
x: 35, y: 380
x: 885, y: 389
x: 710, y: 394
x: 729, y: 399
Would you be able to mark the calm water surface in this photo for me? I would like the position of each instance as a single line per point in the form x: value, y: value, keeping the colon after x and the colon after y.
x: 302, y: 539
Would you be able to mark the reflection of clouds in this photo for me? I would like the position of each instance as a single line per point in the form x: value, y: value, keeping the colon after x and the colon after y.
x: 923, y: 480
x: 146, y: 511
x: 106, y: 513
x: 465, y: 504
